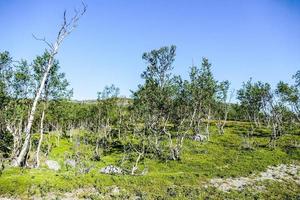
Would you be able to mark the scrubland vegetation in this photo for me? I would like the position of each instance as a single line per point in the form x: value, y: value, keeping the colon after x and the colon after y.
x: 167, y: 141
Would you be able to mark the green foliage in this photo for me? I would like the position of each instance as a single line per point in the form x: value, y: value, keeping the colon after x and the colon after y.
x: 290, y: 94
x: 5, y: 74
x: 22, y: 83
x: 154, y: 97
x: 56, y: 86
x: 253, y: 97
x: 203, y: 85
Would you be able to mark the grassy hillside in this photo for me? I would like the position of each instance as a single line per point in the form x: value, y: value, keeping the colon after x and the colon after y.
x: 224, y: 156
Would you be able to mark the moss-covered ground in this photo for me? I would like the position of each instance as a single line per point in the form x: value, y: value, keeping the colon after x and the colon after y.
x: 223, y: 156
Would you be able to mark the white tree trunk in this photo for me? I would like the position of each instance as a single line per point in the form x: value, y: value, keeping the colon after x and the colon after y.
x: 17, y: 138
x: 207, y: 125
x: 40, y: 140
x: 66, y: 28
x: 19, y: 161
x: 135, y: 166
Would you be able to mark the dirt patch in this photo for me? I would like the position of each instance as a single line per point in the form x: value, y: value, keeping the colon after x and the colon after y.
x: 279, y: 173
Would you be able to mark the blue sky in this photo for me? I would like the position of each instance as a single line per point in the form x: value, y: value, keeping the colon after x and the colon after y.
x: 242, y: 39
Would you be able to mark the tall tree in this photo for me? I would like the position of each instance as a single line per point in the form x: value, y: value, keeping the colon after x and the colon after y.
x: 203, y: 88
x: 222, y: 105
x: 17, y: 109
x: 290, y: 94
x: 56, y: 88
x: 153, y: 100
x: 253, y: 98
x: 66, y: 28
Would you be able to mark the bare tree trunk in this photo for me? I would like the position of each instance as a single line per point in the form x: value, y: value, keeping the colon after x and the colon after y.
x: 28, y: 155
x: 107, y: 129
x: 57, y: 138
x: 49, y: 144
x: 37, y: 164
x: 135, y: 166
x: 221, y: 123
x: 120, y: 126
x: 193, y: 117
x: 207, y: 125
x: 17, y: 138
x: 97, y: 148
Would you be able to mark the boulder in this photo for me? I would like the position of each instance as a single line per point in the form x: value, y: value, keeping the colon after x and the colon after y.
x: 52, y: 164
x: 200, y: 137
x: 111, y: 170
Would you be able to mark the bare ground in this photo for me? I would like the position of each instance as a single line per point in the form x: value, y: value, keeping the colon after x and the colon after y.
x: 278, y: 173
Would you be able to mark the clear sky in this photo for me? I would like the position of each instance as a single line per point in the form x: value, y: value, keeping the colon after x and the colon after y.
x: 242, y: 38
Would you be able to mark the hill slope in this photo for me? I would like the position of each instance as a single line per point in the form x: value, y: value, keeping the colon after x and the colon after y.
x: 202, y: 173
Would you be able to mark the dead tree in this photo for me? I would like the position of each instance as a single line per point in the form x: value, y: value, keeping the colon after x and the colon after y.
x: 66, y: 28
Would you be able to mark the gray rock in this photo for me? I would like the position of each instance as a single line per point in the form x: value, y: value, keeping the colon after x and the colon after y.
x: 200, y: 137
x: 85, y: 170
x: 52, y: 164
x: 115, y: 191
x: 111, y: 170
x: 70, y: 163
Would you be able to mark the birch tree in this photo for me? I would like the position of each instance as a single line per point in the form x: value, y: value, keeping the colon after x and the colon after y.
x: 290, y: 94
x: 17, y: 109
x: 56, y: 88
x: 66, y: 28
x: 253, y: 98
x: 222, y: 105
x: 153, y: 100
x: 203, y: 88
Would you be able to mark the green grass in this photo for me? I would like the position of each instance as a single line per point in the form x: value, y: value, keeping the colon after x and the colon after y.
x: 223, y: 156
